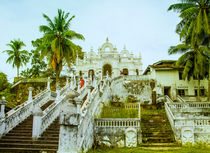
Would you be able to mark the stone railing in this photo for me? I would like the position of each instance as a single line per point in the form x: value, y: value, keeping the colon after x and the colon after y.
x: 170, y: 115
x: 44, y: 119
x: 50, y: 116
x: 117, y: 122
x: 21, y: 112
x: 180, y: 99
x: 194, y: 105
x: 132, y: 106
x: 168, y: 99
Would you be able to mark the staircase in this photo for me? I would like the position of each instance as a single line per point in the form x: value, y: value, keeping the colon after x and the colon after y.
x: 20, y: 140
x: 156, y: 129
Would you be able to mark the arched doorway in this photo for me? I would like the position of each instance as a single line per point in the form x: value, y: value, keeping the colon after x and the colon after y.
x: 91, y: 73
x: 107, y: 68
x: 125, y: 71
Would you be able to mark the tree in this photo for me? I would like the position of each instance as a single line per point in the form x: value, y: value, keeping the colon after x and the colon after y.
x: 5, y: 90
x: 194, y: 25
x: 194, y: 63
x: 57, y: 43
x: 17, y: 56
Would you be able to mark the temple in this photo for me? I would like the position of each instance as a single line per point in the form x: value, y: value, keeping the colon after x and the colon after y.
x: 108, y: 61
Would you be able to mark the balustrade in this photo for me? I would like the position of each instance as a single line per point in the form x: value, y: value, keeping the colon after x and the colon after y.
x: 131, y: 122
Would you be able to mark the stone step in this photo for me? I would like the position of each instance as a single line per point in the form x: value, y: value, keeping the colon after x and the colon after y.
x: 160, y: 148
x: 22, y: 145
x: 26, y: 150
x: 19, y: 134
x: 158, y: 134
x: 29, y: 141
x: 159, y: 145
x: 157, y: 139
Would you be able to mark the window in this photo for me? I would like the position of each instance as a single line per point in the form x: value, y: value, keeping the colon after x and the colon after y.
x: 180, y: 75
x: 202, y: 92
x: 181, y: 92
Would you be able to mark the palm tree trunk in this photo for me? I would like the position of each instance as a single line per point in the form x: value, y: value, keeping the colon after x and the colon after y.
x: 198, y: 90
x: 18, y: 72
x: 209, y: 83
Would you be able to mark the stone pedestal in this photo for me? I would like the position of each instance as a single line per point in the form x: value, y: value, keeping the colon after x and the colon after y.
x: 48, y: 83
x: 30, y: 99
x: 69, y: 122
x: 131, y: 137
x: 37, y: 122
x: 58, y: 91
x: 187, y: 135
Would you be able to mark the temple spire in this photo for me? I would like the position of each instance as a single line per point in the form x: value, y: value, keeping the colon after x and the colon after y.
x: 107, y: 39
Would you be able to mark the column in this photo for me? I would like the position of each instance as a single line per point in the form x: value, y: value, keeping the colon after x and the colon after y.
x: 67, y: 82
x: 69, y: 123
x: 30, y: 99
x: 58, y: 92
x: 37, y: 122
x: 3, y: 102
x: 48, y: 83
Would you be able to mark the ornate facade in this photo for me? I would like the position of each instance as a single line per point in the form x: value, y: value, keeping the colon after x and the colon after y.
x: 108, y: 61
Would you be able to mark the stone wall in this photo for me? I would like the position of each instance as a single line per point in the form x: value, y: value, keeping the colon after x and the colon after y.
x: 141, y: 89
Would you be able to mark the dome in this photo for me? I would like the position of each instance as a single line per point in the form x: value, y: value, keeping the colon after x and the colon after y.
x: 107, y: 46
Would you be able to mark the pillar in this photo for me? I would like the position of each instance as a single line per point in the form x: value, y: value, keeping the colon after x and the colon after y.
x: 37, y: 122
x: 3, y: 102
x: 58, y: 92
x: 30, y: 99
x: 67, y: 82
x: 69, y: 123
x: 48, y: 83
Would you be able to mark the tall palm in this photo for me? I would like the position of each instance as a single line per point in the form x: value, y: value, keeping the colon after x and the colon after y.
x: 17, y: 56
x: 193, y: 61
x: 57, y: 42
x: 194, y: 25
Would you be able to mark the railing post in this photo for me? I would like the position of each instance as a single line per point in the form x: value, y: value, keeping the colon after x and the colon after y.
x: 69, y: 122
x: 78, y: 87
x: 67, y: 82
x: 58, y: 92
x: 139, y: 111
x: 30, y: 99
x: 48, y: 83
x: 3, y: 102
x: 37, y: 122
x: 79, y: 102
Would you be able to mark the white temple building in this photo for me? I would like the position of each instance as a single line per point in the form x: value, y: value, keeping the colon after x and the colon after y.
x: 108, y: 61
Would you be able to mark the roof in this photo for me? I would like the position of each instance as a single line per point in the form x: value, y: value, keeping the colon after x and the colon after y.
x: 163, y: 65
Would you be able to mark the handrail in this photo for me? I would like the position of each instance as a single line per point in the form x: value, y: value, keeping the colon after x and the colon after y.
x: 181, y: 99
x: 18, y: 115
x: 168, y: 99
x: 117, y: 122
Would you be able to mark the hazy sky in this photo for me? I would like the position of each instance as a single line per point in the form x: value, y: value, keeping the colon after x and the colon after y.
x: 143, y: 26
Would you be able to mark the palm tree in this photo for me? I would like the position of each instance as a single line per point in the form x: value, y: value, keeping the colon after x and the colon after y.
x: 193, y: 61
x: 17, y: 56
x: 194, y: 25
x: 57, y: 43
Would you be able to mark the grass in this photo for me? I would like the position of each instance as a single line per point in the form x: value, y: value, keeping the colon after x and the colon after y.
x: 139, y: 150
x: 118, y: 112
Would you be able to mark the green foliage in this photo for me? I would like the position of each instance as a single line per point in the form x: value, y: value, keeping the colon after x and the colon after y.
x: 131, y: 99
x: 5, y: 90
x: 17, y: 56
x: 118, y: 112
x: 57, y: 43
x: 194, y: 25
x: 141, y: 150
x: 38, y: 66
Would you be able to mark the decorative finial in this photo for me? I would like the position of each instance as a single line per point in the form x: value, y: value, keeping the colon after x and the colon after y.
x: 107, y: 40
x: 124, y: 48
x: 91, y: 49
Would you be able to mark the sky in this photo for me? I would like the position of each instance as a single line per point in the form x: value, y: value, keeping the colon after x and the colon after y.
x: 143, y: 26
